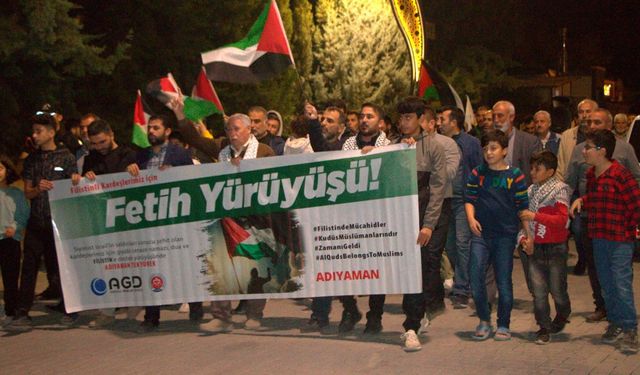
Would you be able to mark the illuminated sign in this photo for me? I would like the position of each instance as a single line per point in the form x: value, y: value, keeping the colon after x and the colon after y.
x: 409, y: 17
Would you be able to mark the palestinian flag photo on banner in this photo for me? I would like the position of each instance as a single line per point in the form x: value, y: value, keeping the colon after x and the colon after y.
x: 239, y: 244
x: 262, y: 54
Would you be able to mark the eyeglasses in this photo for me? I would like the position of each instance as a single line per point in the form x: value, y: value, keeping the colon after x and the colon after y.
x: 589, y: 147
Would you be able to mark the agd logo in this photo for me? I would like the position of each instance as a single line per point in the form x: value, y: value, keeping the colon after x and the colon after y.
x: 125, y: 284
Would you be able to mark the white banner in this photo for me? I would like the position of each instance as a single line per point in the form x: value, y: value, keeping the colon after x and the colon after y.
x: 324, y: 224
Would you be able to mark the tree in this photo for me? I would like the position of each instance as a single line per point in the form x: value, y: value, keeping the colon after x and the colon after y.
x: 359, y: 53
x: 302, y: 40
x: 474, y: 70
x: 44, y: 53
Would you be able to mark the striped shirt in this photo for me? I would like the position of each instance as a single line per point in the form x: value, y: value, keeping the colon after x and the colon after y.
x: 497, y: 196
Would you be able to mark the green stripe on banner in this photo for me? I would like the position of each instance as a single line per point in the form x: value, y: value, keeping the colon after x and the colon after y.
x: 254, y: 251
x: 283, y: 188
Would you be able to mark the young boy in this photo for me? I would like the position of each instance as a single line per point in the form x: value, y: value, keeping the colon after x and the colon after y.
x: 612, y: 201
x: 496, y: 193
x: 42, y: 168
x: 548, y: 214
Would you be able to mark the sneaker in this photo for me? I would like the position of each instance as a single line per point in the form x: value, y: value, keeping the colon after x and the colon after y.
x: 217, y: 326
x: 349, y: 320
x: 597, y: 316
x: 20, y: 323
x: 148, y: 326
x: 373, y: 327
x: 459, y: 302
x: 411, y: 343
x: 252, y: 325
x: 629, y: 343
x: 612, y: 334
x: 557, y: 325
x: 425, y: 323
x: 483, y: 331
x: 102, y: 321
x: 184, y: 308
x: 69, y: 320
x: 315, y: 325
x: 542, y: 337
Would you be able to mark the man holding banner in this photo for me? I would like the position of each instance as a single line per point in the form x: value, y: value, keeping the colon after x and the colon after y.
x: 242, y: 145
x: 161, y: 155
x: 431, y: 168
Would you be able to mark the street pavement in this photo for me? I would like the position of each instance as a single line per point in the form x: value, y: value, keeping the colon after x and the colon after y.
x: 179, y: 347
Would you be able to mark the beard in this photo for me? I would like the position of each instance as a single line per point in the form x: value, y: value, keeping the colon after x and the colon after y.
x: 106, y: 151
x: 504, y: 127
x: 156, y: 141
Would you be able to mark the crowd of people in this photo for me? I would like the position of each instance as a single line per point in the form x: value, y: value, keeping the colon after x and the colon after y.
x: 544, y: 186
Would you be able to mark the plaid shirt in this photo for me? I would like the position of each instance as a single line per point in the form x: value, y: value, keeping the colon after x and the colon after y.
x: 612, y: 202
x: 54, y: 165
x: 157, y: 159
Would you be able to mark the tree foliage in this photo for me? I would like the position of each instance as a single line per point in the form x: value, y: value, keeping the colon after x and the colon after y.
x: 44, y: 53
x: 474, y: 70
x: 359, y: 53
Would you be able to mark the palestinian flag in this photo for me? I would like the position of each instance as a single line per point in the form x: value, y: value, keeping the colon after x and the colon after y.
x: 263, y: 53
x: 434, y: 88
x: 251, y: 242
x: 164, y: 89
x: 140, y: 120
x: 203, y: 101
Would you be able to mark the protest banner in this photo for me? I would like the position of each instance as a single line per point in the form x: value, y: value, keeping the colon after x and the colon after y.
x: 332, y: 223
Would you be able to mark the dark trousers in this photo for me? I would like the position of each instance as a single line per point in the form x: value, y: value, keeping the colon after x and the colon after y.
x: 38, y: 243
x: 321, y: 306
x: 548, y: 273
x: 152, y: 313
x: 433, y: 287
x: 579, y: 229
x: 376, y: 307
x: 432, y: 296
x: 587, y: 244
x: 10, y: 267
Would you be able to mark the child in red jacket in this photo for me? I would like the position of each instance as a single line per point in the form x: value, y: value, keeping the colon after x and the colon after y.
x: 549, y: 217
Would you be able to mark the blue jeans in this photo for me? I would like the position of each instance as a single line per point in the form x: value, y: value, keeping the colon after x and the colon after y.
x: 499, y: 253
x: 548, y: 274
x: 457, y: 247
x: 614, y: 264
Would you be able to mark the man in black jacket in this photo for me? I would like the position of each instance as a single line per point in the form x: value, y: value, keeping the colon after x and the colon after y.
x: 329, y: 132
